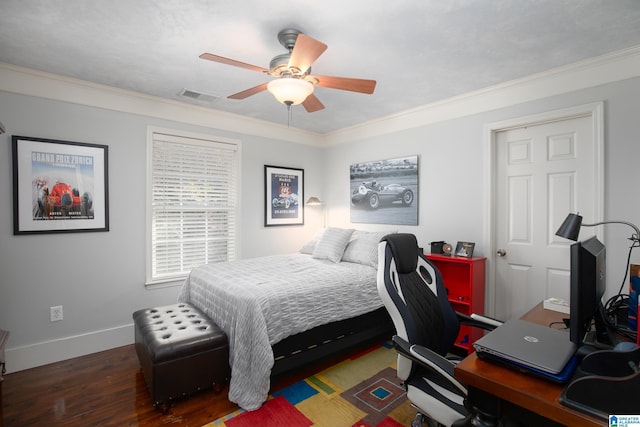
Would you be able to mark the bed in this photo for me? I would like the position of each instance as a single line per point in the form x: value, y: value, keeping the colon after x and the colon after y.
x: 282, y: 311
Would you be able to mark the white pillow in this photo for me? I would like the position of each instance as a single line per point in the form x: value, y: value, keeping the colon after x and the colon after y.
x: 332, y: 243
x: 363, y: 247
x: 311, y: 244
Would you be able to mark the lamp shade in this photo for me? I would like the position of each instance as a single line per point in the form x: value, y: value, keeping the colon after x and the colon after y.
x: 570, y: 228
x: 290, y: 91
x: 314, y: 201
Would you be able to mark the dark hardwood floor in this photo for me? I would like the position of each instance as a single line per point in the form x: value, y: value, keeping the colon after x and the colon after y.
x: 108, y: 389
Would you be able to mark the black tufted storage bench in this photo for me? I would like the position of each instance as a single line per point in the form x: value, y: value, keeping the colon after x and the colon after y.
x: 180, y: 350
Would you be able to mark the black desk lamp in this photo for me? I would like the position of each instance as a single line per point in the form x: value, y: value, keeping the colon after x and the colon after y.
x: 570, y: 228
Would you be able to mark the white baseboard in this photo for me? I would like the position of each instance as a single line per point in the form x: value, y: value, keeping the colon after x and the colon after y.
x: 30, y: 356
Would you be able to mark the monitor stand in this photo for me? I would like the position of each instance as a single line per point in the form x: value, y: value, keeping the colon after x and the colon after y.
x: 593, y: 339
x: 598, y: 338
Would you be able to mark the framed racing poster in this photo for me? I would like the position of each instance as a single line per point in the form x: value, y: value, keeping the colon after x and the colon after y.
x: 59, y: 186
x: 283, y: 196
x: 385, y: 191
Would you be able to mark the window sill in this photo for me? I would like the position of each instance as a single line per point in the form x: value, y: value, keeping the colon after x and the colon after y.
x: 164, y: 284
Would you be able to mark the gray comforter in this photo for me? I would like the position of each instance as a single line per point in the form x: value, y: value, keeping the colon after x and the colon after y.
x: 261, y: 301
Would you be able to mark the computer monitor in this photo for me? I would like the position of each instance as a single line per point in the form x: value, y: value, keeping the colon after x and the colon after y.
x: 588, y: 285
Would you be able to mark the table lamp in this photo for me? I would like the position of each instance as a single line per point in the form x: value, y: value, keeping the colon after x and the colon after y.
x: 570, y: 228
x: 314, y: 201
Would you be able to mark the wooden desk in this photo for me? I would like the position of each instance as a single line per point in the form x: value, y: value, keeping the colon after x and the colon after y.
x: 501, y: 387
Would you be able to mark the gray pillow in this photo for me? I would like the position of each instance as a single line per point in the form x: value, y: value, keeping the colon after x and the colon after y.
x: 311, y: 244
x: 332, y: 243
x: 363, y: 247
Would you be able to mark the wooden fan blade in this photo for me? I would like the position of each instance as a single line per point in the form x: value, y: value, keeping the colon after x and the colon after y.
x: 305, y: 52
x: 346, y: 83
x: 312, y: 103
x: 223, y: 60
x: 247, y: 93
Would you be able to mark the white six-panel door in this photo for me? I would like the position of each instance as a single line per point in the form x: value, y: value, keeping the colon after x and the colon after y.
x: 544, y: 170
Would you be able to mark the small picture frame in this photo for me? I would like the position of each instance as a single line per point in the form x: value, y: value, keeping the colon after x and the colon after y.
x: 465, y: 249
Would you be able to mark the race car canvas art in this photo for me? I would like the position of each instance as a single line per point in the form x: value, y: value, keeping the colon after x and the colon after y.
x: 372, y: 194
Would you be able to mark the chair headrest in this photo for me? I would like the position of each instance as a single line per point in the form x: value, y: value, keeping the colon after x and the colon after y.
x: 405, y: 250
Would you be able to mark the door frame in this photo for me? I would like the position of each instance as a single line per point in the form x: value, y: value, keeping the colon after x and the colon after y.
x: 596, y: 112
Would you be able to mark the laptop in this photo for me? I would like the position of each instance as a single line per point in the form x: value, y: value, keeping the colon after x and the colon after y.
x: 530, y: 348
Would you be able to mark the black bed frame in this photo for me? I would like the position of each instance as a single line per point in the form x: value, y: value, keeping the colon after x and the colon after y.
x: 327, y: 340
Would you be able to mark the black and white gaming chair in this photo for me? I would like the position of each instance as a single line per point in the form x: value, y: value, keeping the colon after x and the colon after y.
x: 413, y: 293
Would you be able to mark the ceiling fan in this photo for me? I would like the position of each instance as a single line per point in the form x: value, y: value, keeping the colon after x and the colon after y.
x: 294, y: 82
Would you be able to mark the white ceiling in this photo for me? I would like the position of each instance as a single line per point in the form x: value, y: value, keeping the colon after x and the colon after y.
x: 419, y: 51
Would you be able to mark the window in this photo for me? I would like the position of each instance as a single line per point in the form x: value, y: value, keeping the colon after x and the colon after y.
x: 192, y: 186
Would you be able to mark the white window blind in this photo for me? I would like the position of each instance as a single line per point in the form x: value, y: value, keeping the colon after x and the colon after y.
x: 193, y: 204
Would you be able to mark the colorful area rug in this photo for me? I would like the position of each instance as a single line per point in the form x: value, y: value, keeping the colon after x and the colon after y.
x: 362, y: 391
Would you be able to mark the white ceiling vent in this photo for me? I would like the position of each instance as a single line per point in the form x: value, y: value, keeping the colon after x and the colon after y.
x: 198, y: 96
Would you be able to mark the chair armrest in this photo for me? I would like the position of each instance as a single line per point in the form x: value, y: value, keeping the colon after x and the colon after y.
x: 478, y: 321
x: 402, y: 346
x: 430, y: 360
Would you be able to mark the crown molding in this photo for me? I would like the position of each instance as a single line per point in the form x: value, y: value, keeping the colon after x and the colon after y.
x: 26, y: 81
x: 620, y: 65
x: 615, y: 66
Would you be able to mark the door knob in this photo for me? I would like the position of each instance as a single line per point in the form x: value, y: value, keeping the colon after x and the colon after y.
x: 501, y: 252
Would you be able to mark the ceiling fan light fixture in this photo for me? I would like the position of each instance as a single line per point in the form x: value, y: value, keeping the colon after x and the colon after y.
x: 290, y: 91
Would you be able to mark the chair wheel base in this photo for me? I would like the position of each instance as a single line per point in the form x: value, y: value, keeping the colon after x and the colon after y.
x: 417, y: 421
x: 421, y: 420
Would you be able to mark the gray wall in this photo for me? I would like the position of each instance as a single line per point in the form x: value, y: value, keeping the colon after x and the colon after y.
x: 452, y: 153
x: 99, y: 277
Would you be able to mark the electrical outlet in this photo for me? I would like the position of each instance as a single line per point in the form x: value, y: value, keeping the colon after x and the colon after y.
x: 56, y: 313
